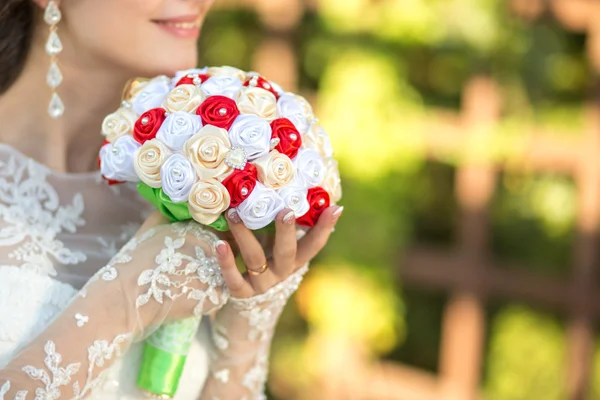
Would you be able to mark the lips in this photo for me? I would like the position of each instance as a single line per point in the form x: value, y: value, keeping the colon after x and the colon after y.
x: 184, y: 26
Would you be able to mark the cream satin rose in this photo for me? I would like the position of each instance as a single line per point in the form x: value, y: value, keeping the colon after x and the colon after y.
x: 152, y: 95
x: 317, y: 139
x: 118, y: 124
x: 208, y: 199
x: 275, y: 170
x: 207, y: 151
x: 332, y: 182
x: 184, y: 98
x: 227, y: 71
x: 257, y: 101
x: 296, y: 109
x: 148, y: 161
x: 260, y: 208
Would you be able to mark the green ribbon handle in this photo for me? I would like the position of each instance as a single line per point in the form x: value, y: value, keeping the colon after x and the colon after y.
x: 165, y: 354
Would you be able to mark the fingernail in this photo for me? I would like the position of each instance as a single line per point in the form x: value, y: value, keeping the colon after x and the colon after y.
x: 337, y: 214
x: 221, y: 248
x: 233, y: 216
x: 289, y: 218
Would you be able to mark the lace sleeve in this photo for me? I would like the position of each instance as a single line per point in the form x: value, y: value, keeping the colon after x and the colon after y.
x: 241, y: 333
x: 168, y: 272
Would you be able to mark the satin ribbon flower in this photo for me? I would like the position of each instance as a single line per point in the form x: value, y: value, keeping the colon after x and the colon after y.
x: 260, y: 208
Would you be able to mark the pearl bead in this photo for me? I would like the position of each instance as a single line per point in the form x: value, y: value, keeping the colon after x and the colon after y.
x: 151, y: 153
x: 177, y: 172
x: 295, y: 200
x: 222, y: 112
x: 197, y: 81
x: 322, y: 202
x: 280, y: 168
x: 293, y: 136
x: 111, y: 124
x: 180, y: 91
x: 145, y: 120
x: 180, y: 122
x: 244, y: 191
x: 267, y: 86
x: 115, y: 151
x: 208, y: 151
x: 206, y: 195
x: 316, y: 174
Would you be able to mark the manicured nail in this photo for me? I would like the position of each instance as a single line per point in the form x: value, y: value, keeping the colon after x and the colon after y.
x: 337, y: 213
x: 233, y: 216
x: 289, y: 218
x: 221, y: 248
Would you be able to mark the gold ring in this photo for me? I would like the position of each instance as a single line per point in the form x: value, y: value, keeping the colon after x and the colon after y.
x: 255, y: 272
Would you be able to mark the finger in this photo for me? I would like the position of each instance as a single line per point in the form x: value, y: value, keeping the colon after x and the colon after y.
x: 314, y: 241
x: 284, y: 251
x: 237, y: 285
x: 252, y: 253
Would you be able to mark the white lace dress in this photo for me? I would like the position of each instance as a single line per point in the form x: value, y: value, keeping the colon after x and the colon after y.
x: 68, y: 330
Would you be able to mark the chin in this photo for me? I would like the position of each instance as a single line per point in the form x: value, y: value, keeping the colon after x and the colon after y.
x: 169, y: 63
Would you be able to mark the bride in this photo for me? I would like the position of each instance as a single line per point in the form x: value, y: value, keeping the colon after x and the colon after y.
x: 86, y: 271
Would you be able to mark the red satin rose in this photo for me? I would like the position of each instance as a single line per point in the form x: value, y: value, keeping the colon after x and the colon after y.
x: 109, y: 181
x: 241, y: 183
x: 148, y: 124
x: 290, y: 139
x: 187, y: 80
x: 219, y: 111
x: 261, y: 83
x: 319, y: 201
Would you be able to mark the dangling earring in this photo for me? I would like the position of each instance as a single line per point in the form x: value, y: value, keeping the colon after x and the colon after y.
x: 54, y: 47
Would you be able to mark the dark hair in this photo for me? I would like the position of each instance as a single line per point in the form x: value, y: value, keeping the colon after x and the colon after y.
x: 17, y: 25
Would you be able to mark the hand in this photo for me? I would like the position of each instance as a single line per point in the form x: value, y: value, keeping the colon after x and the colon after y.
x: 288, y: 253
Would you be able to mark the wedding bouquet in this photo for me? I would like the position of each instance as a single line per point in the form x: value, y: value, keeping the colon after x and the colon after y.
x: 209, y: 140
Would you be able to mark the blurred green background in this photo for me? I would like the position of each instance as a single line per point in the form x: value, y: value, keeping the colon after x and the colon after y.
x: 376, y: 70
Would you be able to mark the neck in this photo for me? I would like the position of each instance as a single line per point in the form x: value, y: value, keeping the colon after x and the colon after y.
x: 90, y: 90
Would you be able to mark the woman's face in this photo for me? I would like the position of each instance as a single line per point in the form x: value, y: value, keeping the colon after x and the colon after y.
x: 144, y: 37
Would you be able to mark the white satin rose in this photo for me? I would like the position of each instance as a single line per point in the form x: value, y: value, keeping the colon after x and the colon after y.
x: 257, y: 101
x: 295, y: 197
x: 253, y: 134
x: 275, y: 170
x: 177, y: 176
x: 208, y: 199
x: 177, y: 128
x: 227, y: 86
x: 261, y: 207
x: 310, y: 168
x: 317, y: 139
x: 151, y: 95
x: 296, y: 109
x: 332, y: 182
x: 117, y: 159
x: 148, y: 161
x: 184, y: 98
x: 227, y: 71
x: 207, y: 150
x: 119, y: 123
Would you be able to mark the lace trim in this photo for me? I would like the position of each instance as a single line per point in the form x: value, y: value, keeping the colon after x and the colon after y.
x: 30, y: 207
